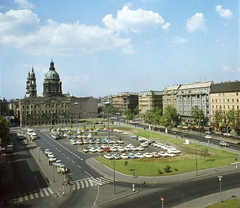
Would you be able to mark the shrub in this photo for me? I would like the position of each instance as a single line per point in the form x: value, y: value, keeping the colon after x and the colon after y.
x: 167, y: 169
x: 176, y: 169
x: 160, y: 172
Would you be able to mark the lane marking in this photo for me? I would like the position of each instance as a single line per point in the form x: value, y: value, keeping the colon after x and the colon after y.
x: 82, y: 184
x: 50, y: 190
x: 45, y: 191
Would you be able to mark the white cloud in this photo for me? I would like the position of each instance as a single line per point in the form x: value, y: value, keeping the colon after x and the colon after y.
x: 227, y: 68
x: 137, y: 21
x: 21, y: 29
x: 179, y: 40
x: 24, y: 4
x: 224, y: 12
x: 196, y: 22
x: 166, y: 26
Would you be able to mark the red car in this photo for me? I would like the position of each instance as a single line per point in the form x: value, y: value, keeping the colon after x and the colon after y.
x: 106, y: 149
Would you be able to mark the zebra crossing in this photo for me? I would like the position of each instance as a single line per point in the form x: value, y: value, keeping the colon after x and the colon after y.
x: 88, y: 182
x: 35, y: 194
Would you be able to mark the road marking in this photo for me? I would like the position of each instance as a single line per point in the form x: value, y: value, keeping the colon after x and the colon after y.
x: 50, y: 190
x: 87, y: 185
x: 68, y: 158
x: 88, y: 173
x: 79, y: 166
x: 91, y: 183
x: 82, y: 184
x: 41, y: 193
x: 30, y: 195
x: 36, y: 194
x: 25, y: 196
x: 78, y: 185
x: 63, y: 154
x: 20, y: 198
x: 73, y: 162
x: 45, y: 191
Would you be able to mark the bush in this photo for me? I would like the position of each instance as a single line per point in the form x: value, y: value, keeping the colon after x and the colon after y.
x: 160, y: 172
x: 167, y: 169
x: 176, y: 169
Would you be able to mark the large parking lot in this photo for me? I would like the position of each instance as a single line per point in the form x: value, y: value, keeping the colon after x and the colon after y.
x: 121, y: 144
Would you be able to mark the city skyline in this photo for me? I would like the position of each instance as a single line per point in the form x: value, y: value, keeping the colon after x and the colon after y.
x: 104, y: 48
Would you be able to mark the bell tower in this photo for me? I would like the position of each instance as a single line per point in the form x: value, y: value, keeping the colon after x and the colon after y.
x: 31, y: 88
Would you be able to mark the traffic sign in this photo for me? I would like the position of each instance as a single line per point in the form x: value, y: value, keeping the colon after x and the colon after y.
x: 63, y: 183
x: 162, y: 199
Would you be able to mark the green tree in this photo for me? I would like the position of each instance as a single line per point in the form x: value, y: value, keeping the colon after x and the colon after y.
x: 204, y: 152
x: 219, y: 117
x: 4, y: 131
x: 136, y: 111
x: 169, y: 116
x: 128, y: 114
x: 197, y: 114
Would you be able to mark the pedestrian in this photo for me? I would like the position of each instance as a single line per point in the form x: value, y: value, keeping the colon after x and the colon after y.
x: 133, y: 175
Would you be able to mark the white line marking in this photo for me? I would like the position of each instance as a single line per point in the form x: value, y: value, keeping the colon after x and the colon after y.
x: 91, y: 183
x: 50, y: 190
x: 78, y: 185
x: 86, y: 182
x: 82, y: 184
x: 41, y: 193
x: 36, y: 194
x: 68, y: 158
x: 73, y: 162
x: 79, y: 166
x: 30, y: 195
x: 45, y: 191
x: 25, y: 197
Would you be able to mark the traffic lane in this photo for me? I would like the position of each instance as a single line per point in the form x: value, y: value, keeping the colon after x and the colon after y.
x: 69, y: 155
x: 27, y: 175
x: 178, y: 193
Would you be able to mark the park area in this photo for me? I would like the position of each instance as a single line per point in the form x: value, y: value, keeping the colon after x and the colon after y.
x: 206, y: 157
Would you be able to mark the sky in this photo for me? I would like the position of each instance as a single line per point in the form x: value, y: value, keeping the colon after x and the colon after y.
x: 104, y: 47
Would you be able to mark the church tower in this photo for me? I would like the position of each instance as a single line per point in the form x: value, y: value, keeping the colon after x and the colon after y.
x: 52, y: 86
x: 31, y: 88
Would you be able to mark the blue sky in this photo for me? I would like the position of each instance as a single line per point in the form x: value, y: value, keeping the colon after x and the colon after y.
x: 103, y: 47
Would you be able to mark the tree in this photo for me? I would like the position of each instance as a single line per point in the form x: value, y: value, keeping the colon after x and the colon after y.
x: 197, y: 114
x: 169, y: 116
x: 204, y: 152
x: 4, y: 131
x: 100, y: 109
x: 136, y: 111
x: 153, y: 116
x: 128, y: 114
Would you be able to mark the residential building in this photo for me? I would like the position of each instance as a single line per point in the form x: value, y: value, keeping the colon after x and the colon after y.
x: 148, y: 100
x: 170, y: 96
x: 225, y: 96
x: 195, y: 94
x: 125, y: 100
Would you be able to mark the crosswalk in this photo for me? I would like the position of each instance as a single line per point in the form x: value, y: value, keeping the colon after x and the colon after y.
x: 35, y: 194
x: 88, y: 182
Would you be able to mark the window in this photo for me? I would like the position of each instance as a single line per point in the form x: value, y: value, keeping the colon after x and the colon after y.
x: 233, y: 100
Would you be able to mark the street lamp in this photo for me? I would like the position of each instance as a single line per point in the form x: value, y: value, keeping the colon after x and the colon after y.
x: 76, y: 103
x: 220, y: 179
x: 107, y: 104
x: 39, y: 160
x: 196, y: 159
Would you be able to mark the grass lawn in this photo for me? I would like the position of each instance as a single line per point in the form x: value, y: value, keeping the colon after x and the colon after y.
x: 233, y: 203
x: 180, y: 164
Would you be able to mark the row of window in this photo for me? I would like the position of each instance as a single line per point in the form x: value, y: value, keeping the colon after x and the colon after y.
x: 224, y: 107
x: 46, y: 111
x: 47, y: 106
x: 223, y: 100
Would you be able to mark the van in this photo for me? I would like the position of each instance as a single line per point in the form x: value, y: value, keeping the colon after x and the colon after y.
x: 9, y: 147
x: 29, y: 132
x: 33, y: 136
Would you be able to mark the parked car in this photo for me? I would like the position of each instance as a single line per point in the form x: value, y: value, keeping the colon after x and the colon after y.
x: 155, y: 154
x: 140, y: 148
x: 208, y: 137
x: 223, y: 143
x: 139, y: 155
x: 85, y: 150
x: 116, y: 156
x: 108, y: 156
x: 79, y: 142
x: 131, y: 156
x: 124, y: 156
x: 47, y: 151
x: 147, y: 155
x: 106, y: 149
x: 227, y: 134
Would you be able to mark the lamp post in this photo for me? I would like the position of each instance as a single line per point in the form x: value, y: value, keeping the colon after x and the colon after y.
x: 76, y: 103
x: 196, y: 159
x: 107, y: 104
x: 220, y: 179
x: 114, y: 179
x: 39, y: 160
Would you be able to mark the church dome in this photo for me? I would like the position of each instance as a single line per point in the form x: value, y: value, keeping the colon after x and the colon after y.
x: 52, y: 75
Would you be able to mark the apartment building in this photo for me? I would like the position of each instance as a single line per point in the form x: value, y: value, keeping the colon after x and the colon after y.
x: 149, y: 99
x: 195, y: 94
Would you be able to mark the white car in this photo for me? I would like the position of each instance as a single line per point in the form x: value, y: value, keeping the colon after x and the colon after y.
x: 155, y: 154
x: 124, y: 156
x: 144, y: 144
x: 113, y: 149
x: 223, y: 143
x: 139, y: 155
x: 120, y: 149
x: 99, y: 150
x: 140, y: 148
x: 227, y: 134
x: 147, y: 155
x: 79, y: 142
x: 208, y: 137
x: 108, y: 156
x: 207, y: 132
x: 93, y: 150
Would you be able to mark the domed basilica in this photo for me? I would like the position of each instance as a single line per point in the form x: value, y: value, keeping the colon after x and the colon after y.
x: 52, y: 107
